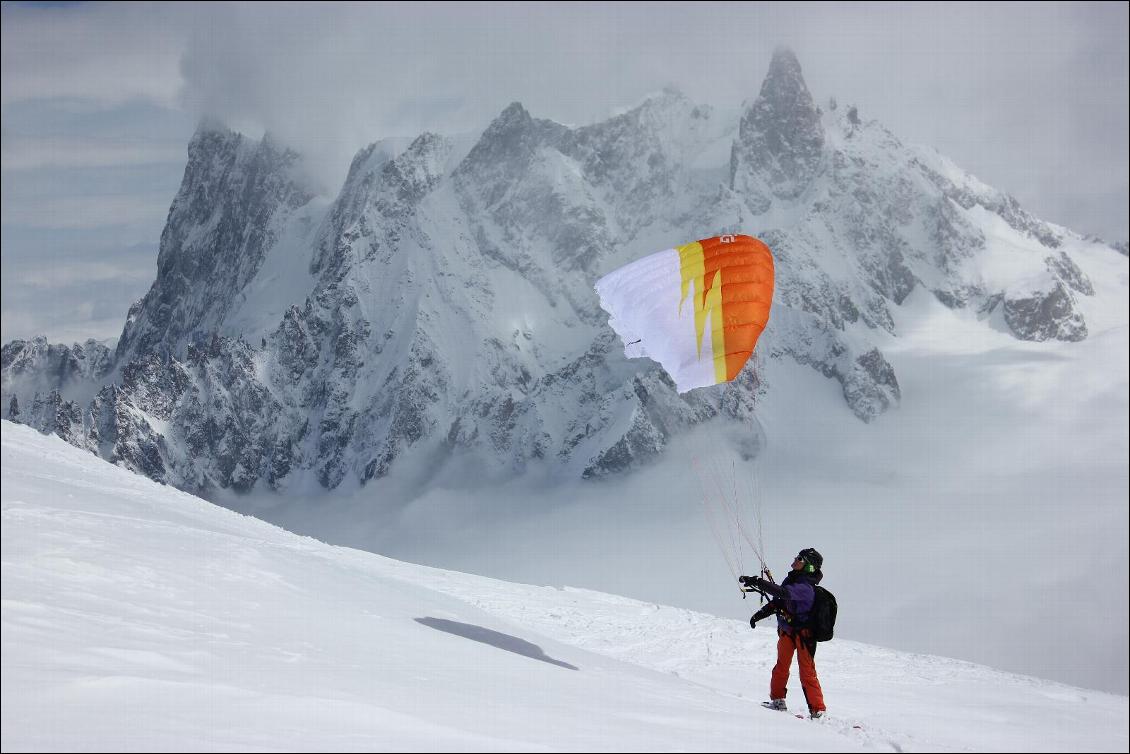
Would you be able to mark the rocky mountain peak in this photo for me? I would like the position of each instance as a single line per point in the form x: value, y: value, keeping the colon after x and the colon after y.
x: 211, y: 139
x: 784, y: 83
x: 780, y: 139
x: 226, y: 215
x: 419, y: 168
x: 511, y: 139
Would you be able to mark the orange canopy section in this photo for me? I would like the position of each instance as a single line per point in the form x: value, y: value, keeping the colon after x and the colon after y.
x: 698, y: 309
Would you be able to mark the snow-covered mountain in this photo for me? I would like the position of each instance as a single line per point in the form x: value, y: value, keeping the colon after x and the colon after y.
x: 442, y: 304
x: 140, y: 618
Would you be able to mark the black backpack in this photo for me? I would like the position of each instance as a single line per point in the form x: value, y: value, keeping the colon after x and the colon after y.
x: 822, y: 619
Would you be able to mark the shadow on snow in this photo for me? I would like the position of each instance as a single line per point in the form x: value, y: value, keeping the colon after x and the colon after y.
x: 493, y: 638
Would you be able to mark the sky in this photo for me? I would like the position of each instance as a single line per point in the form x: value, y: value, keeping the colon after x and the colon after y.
x: 140, y: 618
x: 99, y: 101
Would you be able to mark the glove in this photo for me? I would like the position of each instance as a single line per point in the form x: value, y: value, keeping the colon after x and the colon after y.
x: 752, y: 622
x: 753, y: 582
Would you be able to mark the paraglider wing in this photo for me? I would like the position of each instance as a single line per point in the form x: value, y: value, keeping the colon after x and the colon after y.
x: 697, y: 309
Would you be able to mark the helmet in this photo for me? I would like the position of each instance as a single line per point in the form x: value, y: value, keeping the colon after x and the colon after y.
x: 812, y: 559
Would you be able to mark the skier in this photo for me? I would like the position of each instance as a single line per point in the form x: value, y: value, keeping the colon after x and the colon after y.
x: 792, y: 600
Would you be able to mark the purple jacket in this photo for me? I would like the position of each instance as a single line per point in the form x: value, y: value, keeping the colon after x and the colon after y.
x: 792, y: 599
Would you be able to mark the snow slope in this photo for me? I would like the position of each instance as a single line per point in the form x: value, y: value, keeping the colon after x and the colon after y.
x: 140, y: 618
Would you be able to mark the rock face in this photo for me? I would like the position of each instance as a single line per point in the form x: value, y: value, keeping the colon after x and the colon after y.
x: 441, y: 307
x: 780, y: 144
x: 233, y: 202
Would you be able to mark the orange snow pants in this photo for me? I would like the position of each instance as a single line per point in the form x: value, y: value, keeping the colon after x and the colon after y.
x: 805, y: 649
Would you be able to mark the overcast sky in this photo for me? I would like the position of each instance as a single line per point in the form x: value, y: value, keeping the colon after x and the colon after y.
x: 99, y: 101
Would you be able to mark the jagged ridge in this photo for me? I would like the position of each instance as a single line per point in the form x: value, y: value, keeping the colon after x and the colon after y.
x: 450, y: 309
